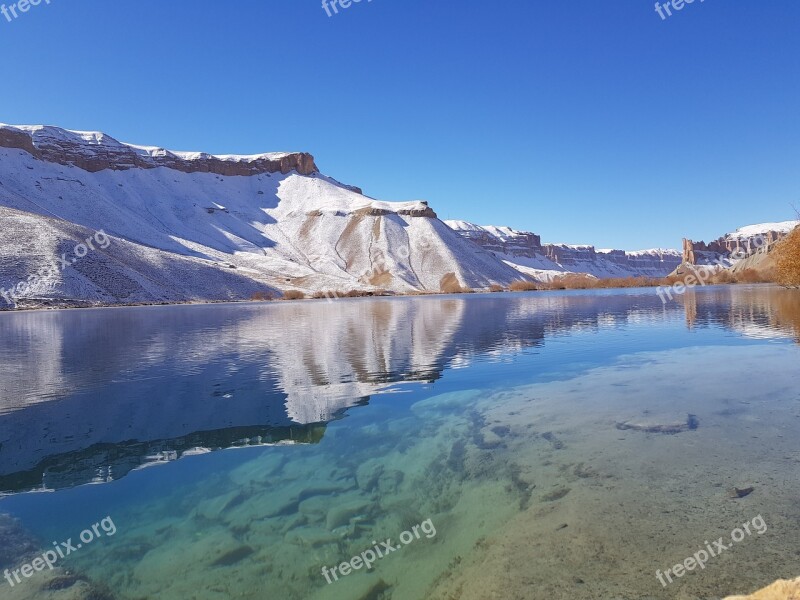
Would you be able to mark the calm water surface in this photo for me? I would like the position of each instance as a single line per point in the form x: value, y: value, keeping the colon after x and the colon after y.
x: 544, y: 446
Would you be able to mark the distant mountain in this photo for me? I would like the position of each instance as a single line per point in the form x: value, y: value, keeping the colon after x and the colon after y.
x: 524, y: 252
x: 187, y: 226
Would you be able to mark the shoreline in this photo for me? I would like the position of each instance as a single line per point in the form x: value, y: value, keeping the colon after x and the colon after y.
x: 337, y: 298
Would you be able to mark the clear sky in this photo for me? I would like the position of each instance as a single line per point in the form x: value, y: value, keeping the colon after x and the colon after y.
x: 586, y: 121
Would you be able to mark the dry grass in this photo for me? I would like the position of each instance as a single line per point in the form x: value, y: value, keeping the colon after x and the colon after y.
x: 262, y: 297
x: 524, y: 286
x: 787, y: 260
x: 333, y: 294
x: 578, y: 281
x: 450, y: 284
x: 753, y: 276
x: 293, y: 295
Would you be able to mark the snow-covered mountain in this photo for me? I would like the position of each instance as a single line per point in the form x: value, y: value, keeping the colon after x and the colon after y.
x: 86, y: 219
x: 524, y: 252
x: 193, y: 226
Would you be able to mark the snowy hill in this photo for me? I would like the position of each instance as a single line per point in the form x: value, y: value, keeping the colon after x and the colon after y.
x: 193, y: 226
x: 524, y: 252
x: 751, y: 231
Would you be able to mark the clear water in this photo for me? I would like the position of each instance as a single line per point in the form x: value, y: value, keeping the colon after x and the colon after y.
x: 239, y: 449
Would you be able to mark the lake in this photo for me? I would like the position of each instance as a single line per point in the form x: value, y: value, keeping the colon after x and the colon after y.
x: 576, y: 444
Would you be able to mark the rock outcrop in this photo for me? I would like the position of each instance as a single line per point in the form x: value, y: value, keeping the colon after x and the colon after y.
x: 94, y: 151
x: 502, y: 240
x: 742, y: 243
x: 569, y: 255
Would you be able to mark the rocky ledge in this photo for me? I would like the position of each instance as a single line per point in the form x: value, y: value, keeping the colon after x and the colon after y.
x: 408, y: 209
x: 94, y: 151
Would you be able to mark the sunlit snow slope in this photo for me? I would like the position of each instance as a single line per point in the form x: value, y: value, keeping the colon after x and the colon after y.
x: 191, y: 226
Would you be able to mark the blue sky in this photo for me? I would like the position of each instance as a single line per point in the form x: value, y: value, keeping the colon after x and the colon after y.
x: 586, y: 121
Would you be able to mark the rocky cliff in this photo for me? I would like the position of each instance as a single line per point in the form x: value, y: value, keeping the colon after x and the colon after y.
x: 502, y: 240
x: 95, y: 151
x: 742, y: 243
x: 525, y: 252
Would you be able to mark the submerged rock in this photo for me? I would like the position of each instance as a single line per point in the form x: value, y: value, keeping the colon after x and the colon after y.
x: 18, y: 547
x: 15, y: 544
x: 735, y: 492
x: 356, y: 586
x: 780, y: 590
x: 554, y: 495
x: 368, y: 474
x: 551, y: 437
x: 346, y: 509
x: 311, y: 537
x: 690, y: 424
x: 233, y: 556
x: 448, y: 402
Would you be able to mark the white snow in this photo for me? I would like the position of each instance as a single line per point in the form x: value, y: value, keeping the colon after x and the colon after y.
x: 92, y: 140
x: 501, y: 232
x: 200, y: 236
x: 751, y: 231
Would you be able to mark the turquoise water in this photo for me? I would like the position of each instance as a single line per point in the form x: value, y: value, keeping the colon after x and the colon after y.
x: 515, y: 441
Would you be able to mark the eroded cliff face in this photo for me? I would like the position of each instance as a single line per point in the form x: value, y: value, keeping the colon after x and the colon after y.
x: 525, y: 249
x: 512, y: 242
x: 420, y: 210
x: 742, y: 245
x: 95, y: 152
x: 569, y: 255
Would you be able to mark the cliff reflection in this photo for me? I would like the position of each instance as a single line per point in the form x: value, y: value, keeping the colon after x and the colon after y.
x: 755, y: 311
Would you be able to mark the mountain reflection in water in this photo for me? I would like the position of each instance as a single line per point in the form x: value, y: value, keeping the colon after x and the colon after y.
x: 89, y: 395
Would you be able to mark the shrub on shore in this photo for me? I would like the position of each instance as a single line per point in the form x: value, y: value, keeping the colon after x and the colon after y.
x: 579, y: 281
x: 332, y: 294
x: 451, y: 285
x: 787, y: 260
x: 522, y: 285
x: 262, y: 297
x: 293, y: 295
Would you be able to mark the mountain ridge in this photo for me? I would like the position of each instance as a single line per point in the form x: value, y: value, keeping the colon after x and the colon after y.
x: 237, y: 226
x: 192, y: 226
x: 525, y: 252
